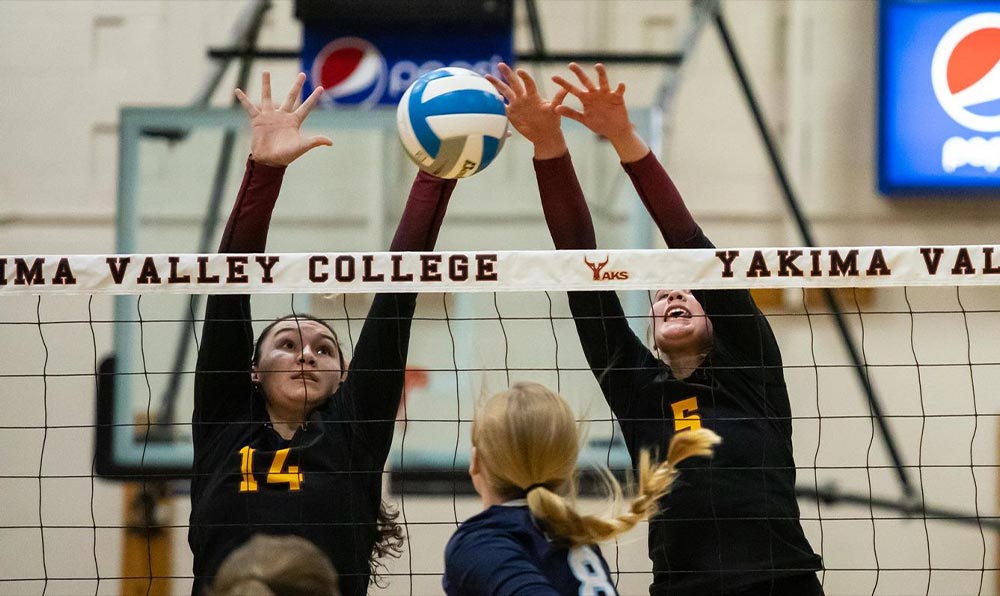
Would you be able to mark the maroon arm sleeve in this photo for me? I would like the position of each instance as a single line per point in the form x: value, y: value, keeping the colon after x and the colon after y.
x: 246, y: 230
x: 374, y: 387
x: 421, y: 221
x: 664, y: 203
x: 613, y: 352
x: 565, y: 208
x: 222, y: 389
x: 736, y: 320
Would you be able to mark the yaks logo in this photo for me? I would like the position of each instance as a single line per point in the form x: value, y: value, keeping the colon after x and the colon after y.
x: 598, y: 270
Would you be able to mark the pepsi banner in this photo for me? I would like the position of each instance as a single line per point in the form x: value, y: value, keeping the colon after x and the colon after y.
x: 939, y: 97
x: 369, y: 65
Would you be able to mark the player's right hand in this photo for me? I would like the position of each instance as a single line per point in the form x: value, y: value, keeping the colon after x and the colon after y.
x: 529, y: 113
x: 275, y: 138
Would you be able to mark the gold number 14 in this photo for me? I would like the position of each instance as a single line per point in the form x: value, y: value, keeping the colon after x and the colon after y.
x: 275, y: 475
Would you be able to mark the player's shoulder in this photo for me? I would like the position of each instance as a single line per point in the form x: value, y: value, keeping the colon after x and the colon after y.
x: 481, y: 551
x: 496, y: 524
x: 510, y: 517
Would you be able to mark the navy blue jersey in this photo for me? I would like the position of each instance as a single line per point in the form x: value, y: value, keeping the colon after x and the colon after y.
x: 502, y: 551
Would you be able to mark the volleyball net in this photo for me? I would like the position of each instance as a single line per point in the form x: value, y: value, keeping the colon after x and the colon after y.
x: 909, y: 511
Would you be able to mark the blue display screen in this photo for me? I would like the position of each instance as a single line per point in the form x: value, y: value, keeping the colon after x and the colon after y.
x: 939, y: 97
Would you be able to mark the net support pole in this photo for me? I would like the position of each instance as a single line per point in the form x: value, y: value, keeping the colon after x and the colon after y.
x: 248, y: 19
x: 701, y: 13
x: 249, y: 43
x: 909, y: 507
x: 534, y: 23
x: 247, y: 25
x: 792, y: 203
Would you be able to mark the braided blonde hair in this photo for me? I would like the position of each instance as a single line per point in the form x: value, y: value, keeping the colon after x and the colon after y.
x: 528, y: 441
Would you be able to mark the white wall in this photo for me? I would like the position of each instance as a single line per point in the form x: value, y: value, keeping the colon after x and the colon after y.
x: 67, y: 67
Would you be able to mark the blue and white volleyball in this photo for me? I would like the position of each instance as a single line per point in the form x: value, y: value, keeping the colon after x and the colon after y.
x: 452, y: 122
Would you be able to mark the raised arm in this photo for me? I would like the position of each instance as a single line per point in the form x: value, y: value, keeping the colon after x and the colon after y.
x: 613, y: 352
x: 604, y: 112
x: 222, y: 381
x: 537, y: 120
x: 374, y: 386
x: 734, y: 313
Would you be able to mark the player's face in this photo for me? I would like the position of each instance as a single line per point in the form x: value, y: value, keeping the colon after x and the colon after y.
x: 679, y: 322
x: 299, y: 365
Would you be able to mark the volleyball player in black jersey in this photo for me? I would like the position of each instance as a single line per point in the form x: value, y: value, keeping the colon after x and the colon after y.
x: 530, y: 540
x: 732, y: 526
x: 285, y: 441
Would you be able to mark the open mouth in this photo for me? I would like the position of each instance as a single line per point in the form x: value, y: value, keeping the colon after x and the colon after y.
x: 677, y: 312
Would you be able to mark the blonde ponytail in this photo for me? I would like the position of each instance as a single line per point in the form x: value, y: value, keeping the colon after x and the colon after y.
x: 528, y: 442
x: 655, y: 480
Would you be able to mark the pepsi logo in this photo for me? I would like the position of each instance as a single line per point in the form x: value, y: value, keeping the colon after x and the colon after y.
x: 350, y: 70
x: 965, y: 72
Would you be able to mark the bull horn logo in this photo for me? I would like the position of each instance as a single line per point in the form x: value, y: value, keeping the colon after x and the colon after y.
x: 596, y: 267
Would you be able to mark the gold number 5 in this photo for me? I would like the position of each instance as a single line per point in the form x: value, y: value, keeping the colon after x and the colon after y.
x: 686, y: 415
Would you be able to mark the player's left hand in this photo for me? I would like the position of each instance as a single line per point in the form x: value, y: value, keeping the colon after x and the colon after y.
x: 529, y: 113
x: 604, y: 110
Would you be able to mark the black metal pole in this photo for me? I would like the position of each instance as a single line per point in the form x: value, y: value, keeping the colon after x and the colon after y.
x: 168, y: 403
x: 834, y: 496
x: 535, y: 24
x: 793, y: 206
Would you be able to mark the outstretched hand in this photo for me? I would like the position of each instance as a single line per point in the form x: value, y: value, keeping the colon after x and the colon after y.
x: 275, y: 138
x: 603, y: 112
x: 532, y: 115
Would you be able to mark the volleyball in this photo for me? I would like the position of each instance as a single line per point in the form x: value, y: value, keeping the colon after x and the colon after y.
x: 452, y: 122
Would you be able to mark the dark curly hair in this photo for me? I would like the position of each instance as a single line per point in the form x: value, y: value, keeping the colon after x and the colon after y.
x: 388, y: 542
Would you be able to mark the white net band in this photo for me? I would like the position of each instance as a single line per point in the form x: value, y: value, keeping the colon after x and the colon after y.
x: 501, y: 271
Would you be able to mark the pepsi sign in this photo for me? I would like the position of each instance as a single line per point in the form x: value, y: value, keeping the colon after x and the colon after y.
x: 939, y: 97
x: 370, y: 66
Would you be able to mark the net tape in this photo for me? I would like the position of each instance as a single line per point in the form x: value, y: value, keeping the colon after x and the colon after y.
x: 483, y: 271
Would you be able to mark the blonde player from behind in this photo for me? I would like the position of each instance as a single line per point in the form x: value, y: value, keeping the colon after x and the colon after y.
x: 529, y: 539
